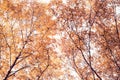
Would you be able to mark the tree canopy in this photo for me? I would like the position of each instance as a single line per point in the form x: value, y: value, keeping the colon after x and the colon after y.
x: 59, y: 40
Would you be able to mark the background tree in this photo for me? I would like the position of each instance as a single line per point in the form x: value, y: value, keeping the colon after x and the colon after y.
x: 92, y: 28
x: 24, y: 31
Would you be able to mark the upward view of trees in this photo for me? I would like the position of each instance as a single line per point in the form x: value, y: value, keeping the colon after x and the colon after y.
x: 60, y: 40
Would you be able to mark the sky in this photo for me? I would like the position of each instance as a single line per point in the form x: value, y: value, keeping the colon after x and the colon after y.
x: 43, y: 1
x: 48, y: 1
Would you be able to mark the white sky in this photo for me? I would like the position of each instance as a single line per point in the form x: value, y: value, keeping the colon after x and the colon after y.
x: 64, y: 1
x: 43, y: 1
x: 48, y: 1
x: 117, y: 10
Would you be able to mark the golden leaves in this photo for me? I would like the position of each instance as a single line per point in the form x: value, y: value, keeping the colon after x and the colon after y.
x: 27, y: 32
x: 4, y: 5
x: 34, y: 73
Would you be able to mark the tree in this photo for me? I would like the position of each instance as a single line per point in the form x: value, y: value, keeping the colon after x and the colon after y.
x: 25, y: 31
x: 91, y: 24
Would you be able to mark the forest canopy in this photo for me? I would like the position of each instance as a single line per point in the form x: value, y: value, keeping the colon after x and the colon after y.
x: 59, y: 40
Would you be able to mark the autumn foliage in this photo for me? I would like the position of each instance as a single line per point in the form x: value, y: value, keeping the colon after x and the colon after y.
x: 60, y: 40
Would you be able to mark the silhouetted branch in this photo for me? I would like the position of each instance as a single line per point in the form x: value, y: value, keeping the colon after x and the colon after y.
x: 16, y: 59
x: 18, y: 70
x: 48, y: 64
x: 76, y: 67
